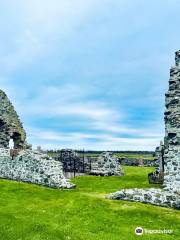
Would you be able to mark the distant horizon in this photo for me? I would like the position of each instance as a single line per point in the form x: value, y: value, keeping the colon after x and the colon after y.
x: 90, y: 150
x: 89, y: 74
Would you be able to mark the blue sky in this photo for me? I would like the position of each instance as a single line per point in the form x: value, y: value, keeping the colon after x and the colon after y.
x: 89, y: 74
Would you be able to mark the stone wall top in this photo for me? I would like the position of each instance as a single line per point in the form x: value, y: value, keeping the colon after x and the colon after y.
x: 177, y: 58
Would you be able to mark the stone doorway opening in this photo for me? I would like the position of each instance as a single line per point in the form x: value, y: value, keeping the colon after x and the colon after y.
x: 11, y: 143
x: 16, y: 140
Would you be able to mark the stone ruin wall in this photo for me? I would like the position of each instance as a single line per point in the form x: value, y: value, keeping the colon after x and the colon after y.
x: 33, y: 167
x: 172, y: 130
x: 159, y: 157
x: 26, y: 165
x: 73, y: 162
x: 10, y: 125
x: 106, y: 165
x: 169, y: 196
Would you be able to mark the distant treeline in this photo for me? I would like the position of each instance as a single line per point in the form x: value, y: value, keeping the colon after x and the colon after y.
x: 99, y: 152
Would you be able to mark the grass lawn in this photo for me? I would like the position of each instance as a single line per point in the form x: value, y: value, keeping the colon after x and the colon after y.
x: 135, y: 155
x: 145, y: 156
x: 30, y: 212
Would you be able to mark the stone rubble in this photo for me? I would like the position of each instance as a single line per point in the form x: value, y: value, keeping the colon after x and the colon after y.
x: 153, y: 196
x: 33, y: 167
x: 106, y: 165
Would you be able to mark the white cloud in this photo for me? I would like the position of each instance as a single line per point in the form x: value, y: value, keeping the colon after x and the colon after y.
x: 71, y: 101
x: 43, y: 27
x: 67, y: 99
x: 50, y: 139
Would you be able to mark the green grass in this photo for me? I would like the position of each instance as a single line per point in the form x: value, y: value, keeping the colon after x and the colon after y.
x: 30, y: 212
x: 129, y: 155
x: 135, y: 155
x: 147, y: 156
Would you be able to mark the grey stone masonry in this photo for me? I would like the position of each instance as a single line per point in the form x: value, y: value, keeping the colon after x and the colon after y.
x: 172, y: 130
x: 106, y: 165
x: 10, y: 125
x: 20, y: 163
x: 159, y: 157
x: 34, y: 167
x: 153, y: 196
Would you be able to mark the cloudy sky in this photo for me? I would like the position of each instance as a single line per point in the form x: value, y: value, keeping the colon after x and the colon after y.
x: 89, y: 74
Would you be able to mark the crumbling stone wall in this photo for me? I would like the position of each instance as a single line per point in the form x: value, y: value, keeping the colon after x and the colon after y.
x: 106, y: 165
x: 159, y: 157
x: 172, y: 127
x: 34, y: 167
x: 169, y: 196
x: 26, y: 165
x: 153, y: 196
x: 73, y: 162
x: 10, y: 125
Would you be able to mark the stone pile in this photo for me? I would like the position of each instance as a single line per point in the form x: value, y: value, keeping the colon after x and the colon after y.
x: 153, y: 196
x: 33, y: 167
x: 169, y: 196
x: 106, y: 165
